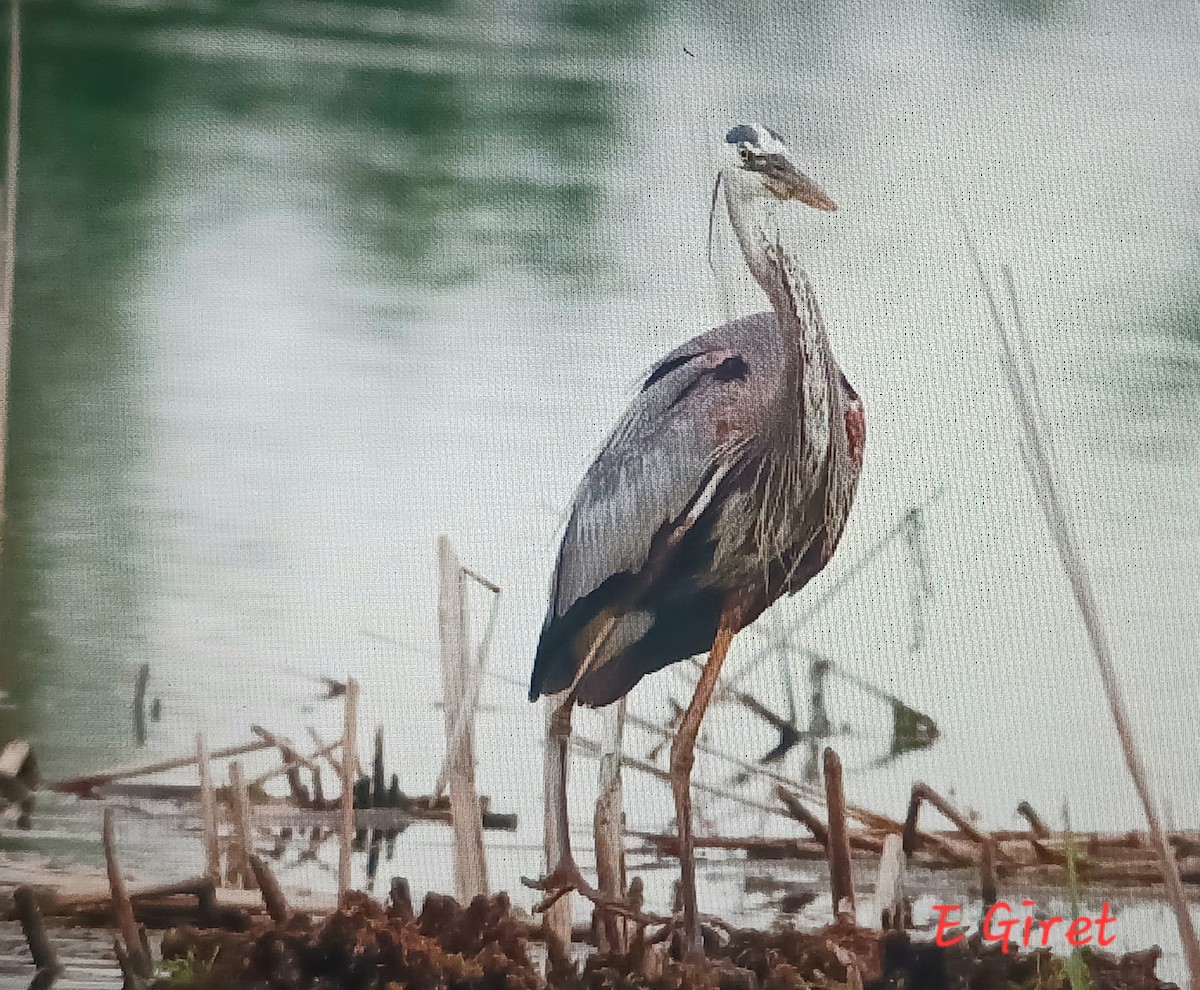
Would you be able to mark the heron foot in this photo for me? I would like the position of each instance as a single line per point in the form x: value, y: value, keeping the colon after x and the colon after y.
x: 566, y: 877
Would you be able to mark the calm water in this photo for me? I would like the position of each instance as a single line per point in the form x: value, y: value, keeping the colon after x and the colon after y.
x: 301, y: 286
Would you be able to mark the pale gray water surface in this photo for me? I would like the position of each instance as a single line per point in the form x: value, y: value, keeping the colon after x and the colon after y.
x: 301, y: 286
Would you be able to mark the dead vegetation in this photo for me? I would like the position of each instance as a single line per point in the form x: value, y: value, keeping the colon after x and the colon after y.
x: 486, y: 946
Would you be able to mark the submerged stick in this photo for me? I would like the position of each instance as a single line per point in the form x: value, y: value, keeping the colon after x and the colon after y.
x: 1039, y: 465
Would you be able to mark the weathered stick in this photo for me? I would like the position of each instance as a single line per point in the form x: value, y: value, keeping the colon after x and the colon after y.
x: 127, y: 961
x: 122, y: 905
x: 325, y: 752
x: 987, y: 872
x: 841, y: 884
x: 470, y: 863
x: 914, y: 839
x: 239, y: 857
x: 272, y: 895
x: 349, y: 742
x: 609, y: 829
x: 34, y: 927
x: 84, y: 785
x: 803, y: 815
x: 468, y: 704
x: 289, y: 752
x: 208, y: 812
x: 1036, y: 825
x: 889, y: 886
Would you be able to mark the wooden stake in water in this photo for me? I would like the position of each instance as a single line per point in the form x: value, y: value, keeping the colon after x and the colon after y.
x: 239, y: 858
x: 347, y: 767
x: 841, y: 884
x: 208, y: 811
x: 470, y: 865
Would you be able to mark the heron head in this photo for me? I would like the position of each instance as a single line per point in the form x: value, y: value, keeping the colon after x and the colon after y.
x: 761, y: 164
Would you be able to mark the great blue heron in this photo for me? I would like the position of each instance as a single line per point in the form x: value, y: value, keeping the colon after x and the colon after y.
x: 726, y: 485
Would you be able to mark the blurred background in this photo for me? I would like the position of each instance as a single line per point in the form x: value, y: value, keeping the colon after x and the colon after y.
x: 302, y: 285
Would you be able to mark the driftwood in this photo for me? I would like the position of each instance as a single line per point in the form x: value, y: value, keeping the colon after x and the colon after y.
x: 86, y: 786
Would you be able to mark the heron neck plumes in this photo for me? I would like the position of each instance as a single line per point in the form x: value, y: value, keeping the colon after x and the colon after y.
x: 784, y: 282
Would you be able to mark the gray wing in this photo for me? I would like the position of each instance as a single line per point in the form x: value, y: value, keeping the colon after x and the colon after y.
x: 662, y: 459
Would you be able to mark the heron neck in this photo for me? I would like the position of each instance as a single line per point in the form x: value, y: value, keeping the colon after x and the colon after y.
x: 781, y: 278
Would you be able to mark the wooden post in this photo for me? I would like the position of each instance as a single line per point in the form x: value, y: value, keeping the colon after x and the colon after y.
x: 208, y: 811
x: 609, y: 827
x: 559, y: 916
x: 239, y: 857
x: 470, y: 864
x: 122, y: 905
x: 987, y: 872
x: 349, y: 744
x: 841, y: 883
x: 889, y: 887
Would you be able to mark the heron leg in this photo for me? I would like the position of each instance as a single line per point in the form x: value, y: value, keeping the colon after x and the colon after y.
x: 558, y: 825
x: 683, y: 756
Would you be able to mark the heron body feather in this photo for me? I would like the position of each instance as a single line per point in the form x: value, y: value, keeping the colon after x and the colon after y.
x: 727, y: 482
x: 728, y: 478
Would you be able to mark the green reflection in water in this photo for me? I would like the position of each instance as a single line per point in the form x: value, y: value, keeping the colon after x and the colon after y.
x: 75, y: 536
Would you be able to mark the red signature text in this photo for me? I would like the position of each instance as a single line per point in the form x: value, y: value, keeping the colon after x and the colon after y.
x: 1002, y: 924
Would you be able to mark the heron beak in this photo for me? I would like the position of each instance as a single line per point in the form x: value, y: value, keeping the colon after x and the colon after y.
x: 793, y: 184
